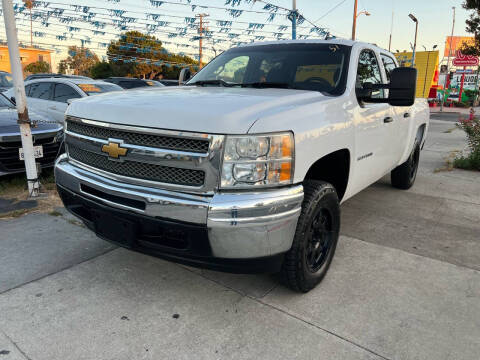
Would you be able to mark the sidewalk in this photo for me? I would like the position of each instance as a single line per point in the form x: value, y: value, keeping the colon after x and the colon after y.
x: 457, y: 110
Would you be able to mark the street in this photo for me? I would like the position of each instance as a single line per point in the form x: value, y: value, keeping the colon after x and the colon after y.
x: 404, y: 284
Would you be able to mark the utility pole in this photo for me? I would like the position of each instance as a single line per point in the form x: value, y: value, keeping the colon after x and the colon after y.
x: 20, y: 98
x: 391, y: 31
x: 200, y: 46
x: 448, y: 62
x: 354, y: 27
x: 29, y: 5
x: 294, y: 19
x: 415, y: 20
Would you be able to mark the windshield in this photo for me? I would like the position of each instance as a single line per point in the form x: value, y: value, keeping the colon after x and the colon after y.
x: 6, y: 80
x: 315, y: 67
x: 4, y: 102
x: 95, y: 89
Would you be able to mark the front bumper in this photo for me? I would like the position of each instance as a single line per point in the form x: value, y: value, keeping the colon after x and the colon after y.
x: 237, y: 232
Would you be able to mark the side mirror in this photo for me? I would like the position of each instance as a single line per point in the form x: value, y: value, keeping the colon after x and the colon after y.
x: 403, y: 85
x: 12, y: 99
x: 185, y: 75
x: 402, y: 88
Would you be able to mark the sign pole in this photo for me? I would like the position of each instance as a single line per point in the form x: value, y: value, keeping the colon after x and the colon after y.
x: 461, y: 84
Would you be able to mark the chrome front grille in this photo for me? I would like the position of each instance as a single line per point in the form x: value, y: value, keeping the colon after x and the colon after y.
x: 151, y: 157
x: 155, y: 141
x: 138, y: 170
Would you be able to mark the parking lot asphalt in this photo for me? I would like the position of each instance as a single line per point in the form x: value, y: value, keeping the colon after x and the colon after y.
x: 405, y: 284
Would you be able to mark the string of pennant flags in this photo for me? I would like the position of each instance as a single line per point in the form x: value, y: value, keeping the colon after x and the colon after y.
x: 170, y: 29
x: 88, y: 14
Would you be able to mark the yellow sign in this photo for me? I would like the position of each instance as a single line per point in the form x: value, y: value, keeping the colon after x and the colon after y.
x: 426, y: 63
x: 114, y: 150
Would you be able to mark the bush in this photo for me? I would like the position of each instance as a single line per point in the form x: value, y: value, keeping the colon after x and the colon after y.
x: 472, y: 160
x: 38, y: 67
x: 101, y: 70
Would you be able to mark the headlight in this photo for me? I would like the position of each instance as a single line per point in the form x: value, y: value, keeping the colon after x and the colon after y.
x: 258, y: 160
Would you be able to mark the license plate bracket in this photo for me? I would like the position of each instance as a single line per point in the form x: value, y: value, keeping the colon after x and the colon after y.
x: 115, y: 229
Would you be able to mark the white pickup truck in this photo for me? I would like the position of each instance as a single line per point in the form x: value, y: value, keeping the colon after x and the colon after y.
x: 244, y: 168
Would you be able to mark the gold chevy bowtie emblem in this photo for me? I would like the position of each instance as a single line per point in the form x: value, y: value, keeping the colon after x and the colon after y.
x: 114, y: 150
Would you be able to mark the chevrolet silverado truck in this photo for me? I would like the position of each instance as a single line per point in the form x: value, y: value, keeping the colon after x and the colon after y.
x: 244, y: 168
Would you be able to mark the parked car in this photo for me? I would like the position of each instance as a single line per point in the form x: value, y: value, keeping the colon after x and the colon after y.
x: 47, y: 138
x: 6, y: 81
x: 50, y: 96
x: 127, y: 83
x: 244, y: 168
x: 52, y: 75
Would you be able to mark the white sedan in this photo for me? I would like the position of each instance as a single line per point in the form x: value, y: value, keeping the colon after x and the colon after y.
x: 50, y: 96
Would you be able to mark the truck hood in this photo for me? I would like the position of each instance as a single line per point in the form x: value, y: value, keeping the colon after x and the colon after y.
x: 191, y: 108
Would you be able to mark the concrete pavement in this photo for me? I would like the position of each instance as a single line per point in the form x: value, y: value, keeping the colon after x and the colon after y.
x: 405, y: 284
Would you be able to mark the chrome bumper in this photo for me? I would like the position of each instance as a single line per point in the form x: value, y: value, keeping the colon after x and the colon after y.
x: 240, y: 225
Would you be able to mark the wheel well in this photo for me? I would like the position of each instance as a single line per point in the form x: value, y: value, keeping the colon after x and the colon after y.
x: 421, y: 135
x: 421, y: 132
x: 333, y: 168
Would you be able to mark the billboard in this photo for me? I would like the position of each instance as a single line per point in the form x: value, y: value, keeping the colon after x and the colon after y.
x: 426, y: 63
x: 454, y: 43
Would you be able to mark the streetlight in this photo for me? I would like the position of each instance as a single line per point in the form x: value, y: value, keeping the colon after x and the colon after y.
x: 355, y: 16
x: 426, y: 70
x: 415, y: 20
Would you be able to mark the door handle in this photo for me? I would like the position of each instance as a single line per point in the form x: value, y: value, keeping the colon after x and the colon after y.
x: 406, y: 115
x: 388, y: 119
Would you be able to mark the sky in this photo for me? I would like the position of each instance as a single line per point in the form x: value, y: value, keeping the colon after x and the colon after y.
x: 435, y: 21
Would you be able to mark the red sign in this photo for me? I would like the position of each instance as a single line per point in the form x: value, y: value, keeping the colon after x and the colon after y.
x: 465, y: 60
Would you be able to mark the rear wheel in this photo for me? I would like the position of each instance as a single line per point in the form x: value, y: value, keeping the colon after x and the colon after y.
x: 403, y: 177
x: 315, y: 239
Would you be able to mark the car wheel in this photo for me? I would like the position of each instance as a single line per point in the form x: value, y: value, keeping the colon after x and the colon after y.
x: 316, y: 237
x: 403, y: 177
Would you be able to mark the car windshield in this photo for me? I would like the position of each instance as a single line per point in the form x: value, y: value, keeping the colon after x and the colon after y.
x: 4, y: 102
x: 6, y: 80
x: 95, y: 89
x: 314, y: 67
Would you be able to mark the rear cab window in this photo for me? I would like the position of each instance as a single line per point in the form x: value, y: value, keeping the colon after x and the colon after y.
x: 389, y: 64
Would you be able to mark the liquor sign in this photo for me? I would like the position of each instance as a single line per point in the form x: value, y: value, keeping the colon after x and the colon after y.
x: 465, y: 60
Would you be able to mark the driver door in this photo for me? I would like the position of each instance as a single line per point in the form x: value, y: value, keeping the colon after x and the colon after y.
x: 372, y: 125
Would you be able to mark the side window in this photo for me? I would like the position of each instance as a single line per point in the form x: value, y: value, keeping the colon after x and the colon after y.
x: 64, y: 92
x: 369, y: 72
x: 27, y: 90
x: 42, y: 90
x: 389, y: 65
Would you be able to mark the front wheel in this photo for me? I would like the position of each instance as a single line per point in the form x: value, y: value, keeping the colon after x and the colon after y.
x: 403, y: 177
x: 316, y: 237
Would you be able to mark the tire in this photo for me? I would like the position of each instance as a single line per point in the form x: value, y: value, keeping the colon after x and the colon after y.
x: 316, y: 237
x: 403, y: 177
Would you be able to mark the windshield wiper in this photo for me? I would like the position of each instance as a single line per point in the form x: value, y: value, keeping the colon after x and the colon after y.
x: 213, y: 82
x: 261, y: 85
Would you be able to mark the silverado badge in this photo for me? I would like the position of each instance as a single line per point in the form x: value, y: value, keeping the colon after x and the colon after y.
x: 114, y: 150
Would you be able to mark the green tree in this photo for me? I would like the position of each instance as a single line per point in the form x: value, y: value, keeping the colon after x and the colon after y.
x: 101, y: 70
x: 38, y: 67
x: 80, y: 60
x: 473, y: 27
x: 62, y: 67
x: 139, y: 55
